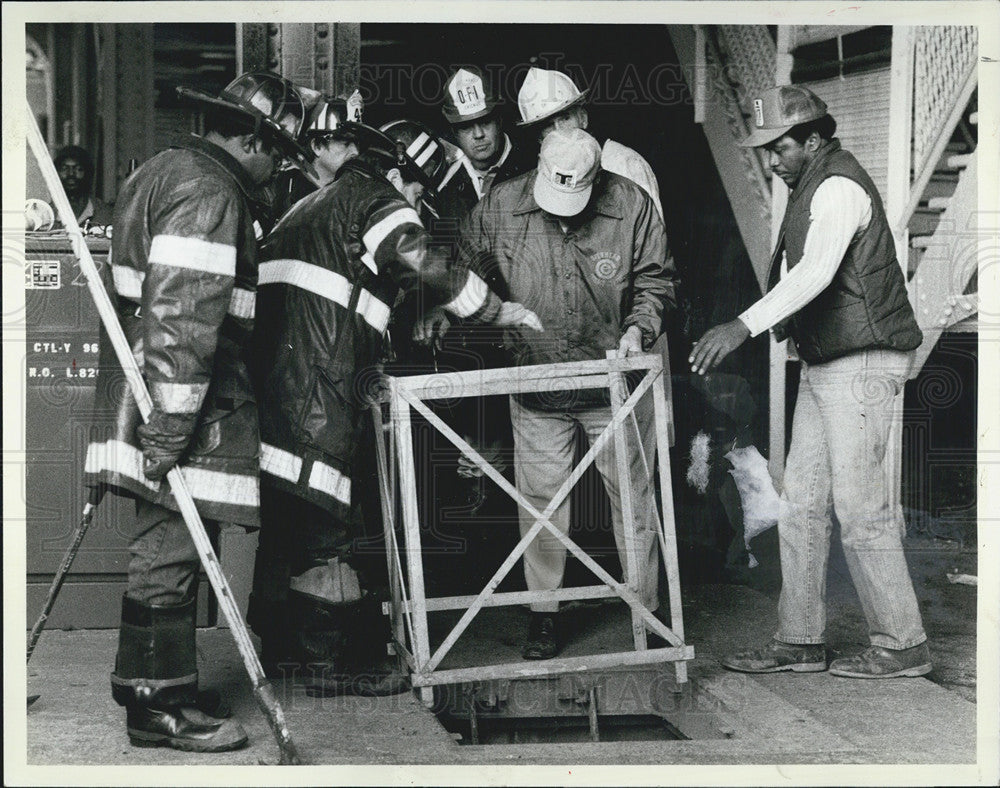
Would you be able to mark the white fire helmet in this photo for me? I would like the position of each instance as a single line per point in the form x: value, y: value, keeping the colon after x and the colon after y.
x: 545, y: 93
x: 468, y: 96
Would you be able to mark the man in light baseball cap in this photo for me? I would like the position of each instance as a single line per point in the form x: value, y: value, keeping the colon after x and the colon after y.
x: 585, y: 249
x: 567, y: 167
x: 836, y: 289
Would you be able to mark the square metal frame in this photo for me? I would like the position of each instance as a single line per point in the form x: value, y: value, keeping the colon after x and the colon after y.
x: 409, y: 605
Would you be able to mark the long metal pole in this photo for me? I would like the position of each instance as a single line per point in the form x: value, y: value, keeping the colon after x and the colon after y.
x: 263, y: 693
x: 96, y: 494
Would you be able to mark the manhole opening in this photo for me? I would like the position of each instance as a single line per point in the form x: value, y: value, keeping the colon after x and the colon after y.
x: 560, y: 730
x: 629, y: 705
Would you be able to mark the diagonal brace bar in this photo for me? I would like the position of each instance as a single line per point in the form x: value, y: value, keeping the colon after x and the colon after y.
x: 543, y: 518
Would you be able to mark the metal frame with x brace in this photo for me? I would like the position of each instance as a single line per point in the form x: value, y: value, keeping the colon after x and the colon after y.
x: 409, y: 606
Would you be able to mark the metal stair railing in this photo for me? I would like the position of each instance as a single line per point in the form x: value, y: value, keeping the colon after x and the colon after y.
x: 944, y: 78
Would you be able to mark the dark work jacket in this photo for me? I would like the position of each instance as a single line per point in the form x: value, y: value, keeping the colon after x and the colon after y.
x: 612, y: 270
x: 184, y: 275
x: 457, y: 194
x: 468, y: 345
x: 866, y: 305
x: 330, y: 272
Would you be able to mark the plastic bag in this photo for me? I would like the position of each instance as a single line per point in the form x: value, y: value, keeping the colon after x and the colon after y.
x: 758, y: 497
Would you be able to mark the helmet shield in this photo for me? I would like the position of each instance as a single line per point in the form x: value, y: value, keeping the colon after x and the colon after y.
x: 416, y: 150
x: 270, y: 102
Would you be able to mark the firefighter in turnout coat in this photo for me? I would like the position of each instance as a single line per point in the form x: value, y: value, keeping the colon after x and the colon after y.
x: 330, y: 274
x: 184, y: 271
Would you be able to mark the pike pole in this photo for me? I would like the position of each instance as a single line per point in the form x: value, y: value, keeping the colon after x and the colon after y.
x: 96, y: 493
x: 262, y: 690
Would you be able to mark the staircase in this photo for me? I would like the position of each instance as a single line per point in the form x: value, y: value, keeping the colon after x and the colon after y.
x: 940, y: 189
x: 941, y: 219
x: 944, y: 245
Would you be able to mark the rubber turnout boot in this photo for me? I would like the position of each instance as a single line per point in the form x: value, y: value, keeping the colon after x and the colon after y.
x: 182, y: 728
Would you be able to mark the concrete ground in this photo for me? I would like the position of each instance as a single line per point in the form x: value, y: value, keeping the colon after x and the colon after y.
x: 779, y: 718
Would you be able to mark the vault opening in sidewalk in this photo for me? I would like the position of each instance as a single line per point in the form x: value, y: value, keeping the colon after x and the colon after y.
x: 630, y: 704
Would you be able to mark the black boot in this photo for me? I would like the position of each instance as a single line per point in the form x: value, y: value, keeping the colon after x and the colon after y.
x: 317, y: 642
x: 156, y: 680
x: 182, y: 728
x: 366, y: 668
x: 270, y: 619
x: 543, y: 640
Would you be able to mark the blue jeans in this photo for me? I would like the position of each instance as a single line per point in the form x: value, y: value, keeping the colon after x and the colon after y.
x: 838, y: 463
x: 544, y: 442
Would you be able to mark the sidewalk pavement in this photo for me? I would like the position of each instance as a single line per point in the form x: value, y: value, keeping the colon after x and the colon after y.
x: 778, y: 718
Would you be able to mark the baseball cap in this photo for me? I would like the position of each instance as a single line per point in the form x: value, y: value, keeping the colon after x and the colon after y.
x: 778, y: 109
x: 567, y: 166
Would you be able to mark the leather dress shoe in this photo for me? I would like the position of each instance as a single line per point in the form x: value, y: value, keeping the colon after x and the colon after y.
x: 542, y: 642
x: 365, y: 685
x: 182, y: 728
x: 876, y: 662
x: 777, y: 656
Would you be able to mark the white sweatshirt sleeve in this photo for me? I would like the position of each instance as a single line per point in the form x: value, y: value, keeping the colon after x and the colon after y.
x: 839, y: 209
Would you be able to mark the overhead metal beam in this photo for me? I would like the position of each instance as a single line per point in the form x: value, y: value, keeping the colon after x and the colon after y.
x: 324, y: 56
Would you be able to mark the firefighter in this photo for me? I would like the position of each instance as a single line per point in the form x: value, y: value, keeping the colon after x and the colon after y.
x: 335, y: 133
x: 332, y: 269
x: 487, y: 157
x: 551, y: 100
x: 185, y: 274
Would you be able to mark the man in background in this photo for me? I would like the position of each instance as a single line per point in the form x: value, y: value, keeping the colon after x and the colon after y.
x: 76, y: 171
x: 551, y: 100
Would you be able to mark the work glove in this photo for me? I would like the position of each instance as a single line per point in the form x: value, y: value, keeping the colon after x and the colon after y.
x: 514, y: 314
x: 163, y: 439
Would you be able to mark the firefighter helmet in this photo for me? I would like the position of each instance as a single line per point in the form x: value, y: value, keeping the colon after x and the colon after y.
x: 417, y: 151
x: 468, y: 96
x: 338, y: 118
x: 270, y: 102
x: 545, y: 93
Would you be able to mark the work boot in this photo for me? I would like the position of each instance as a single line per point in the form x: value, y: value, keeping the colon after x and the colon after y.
x: 777, y: 656
x: 182, y: 728
x: 210, y: 702
x: 366, y: 669
x: 379, y: 680
x: 876, y: 662
x: 542, y: 640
